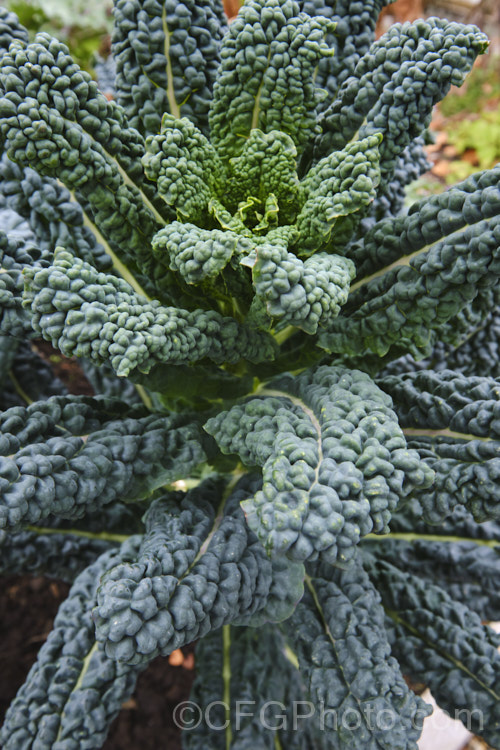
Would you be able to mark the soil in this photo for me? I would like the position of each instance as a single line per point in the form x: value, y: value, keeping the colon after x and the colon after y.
x: 66, y: 369
x: 29, y: 605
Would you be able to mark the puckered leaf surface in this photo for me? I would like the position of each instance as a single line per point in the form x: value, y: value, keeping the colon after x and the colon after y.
x: 467, y: 570
x: 354, y: 33
x: 452, y: 421
x: 395, y: 85
x: 167, y: 55
x: 345, y: 659
x: 199, y: 567
x: 73, y: 691
x: 100, y: 317
x: 265, y: 80
x: 428, y: 276
x: 68, y: 455
x: 252, y: 667
x: 441, y: 642
x: 335, y: 461
x: 65, y: 129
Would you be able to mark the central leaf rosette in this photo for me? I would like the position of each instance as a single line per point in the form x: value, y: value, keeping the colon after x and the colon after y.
x: 249, y: 231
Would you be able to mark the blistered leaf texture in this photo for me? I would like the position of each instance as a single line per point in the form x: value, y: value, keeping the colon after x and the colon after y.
x: 54, y: 555
x: 263, y: 683
x: 167, y: 55
x: 199, y: 567
x: 100, y: 317
x: 198, y: 254
x: 467, y: 571
x: 345, y: 659
x: 468, y: 203
x: 266, y: 166
x: 395, y: 85
x: 10, y: 29
x: 28, y: 374
x: 185, y: 167
x: 337, y: 192
x: 354, y: 33
x: 54, y: 217
x: 265, y: 80
x: 66, y: 456
x: 334, y: 459
x: 15, y: 254
x: 305, y: 294
x: 440, y: 641
x: 55, y: 120
x: 73, y: 691
x: 452, y: 421
x: 407, y: 306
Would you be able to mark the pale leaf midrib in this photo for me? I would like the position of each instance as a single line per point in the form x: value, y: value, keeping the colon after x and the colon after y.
x: 444, y: 433
x: 445, y: 539
x: 458, y: 663
x: 405, y: 260
x: 172, y: 103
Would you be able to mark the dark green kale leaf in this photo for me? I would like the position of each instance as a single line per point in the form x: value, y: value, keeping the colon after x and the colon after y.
x: 442, y: 643
x: 198, y: 567
x: 68, y: 455
x: 73, y: 691
x: 335, y: 461
x: 345, y: 660
x: 452, y: 421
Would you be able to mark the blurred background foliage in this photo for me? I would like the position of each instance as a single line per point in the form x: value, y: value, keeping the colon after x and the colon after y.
x: 84, y: 25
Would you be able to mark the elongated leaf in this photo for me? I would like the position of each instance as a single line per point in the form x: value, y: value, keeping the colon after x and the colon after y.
x: 15, y: 254
x: 477, y: 354
x: 407, y: 306
x: 394, y: 241
x: 29, y: 377
x: 354, y: 33
x: 467, y: 571
x: 391, y: 196
x: 105, y: 382
x: 63, y: 549
x: 344, y: 657
x: 53, y: 216
x: 66, y: 456
x: 338, y: 191
x: 167, y: 55
x: 185, y: 166
x: 74, y: 134
x: 82, y: 320
x: 440, y: 642
x: 248, y: 666
x: 395, y: 85
x: 61, y: 556
x: 196, y: 570
x: 335, y: 461
x: 73, y: 691
x: 452, y: 421
x: 253, y: 87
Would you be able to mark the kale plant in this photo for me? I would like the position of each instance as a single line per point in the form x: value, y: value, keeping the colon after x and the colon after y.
x: 293, y: 453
